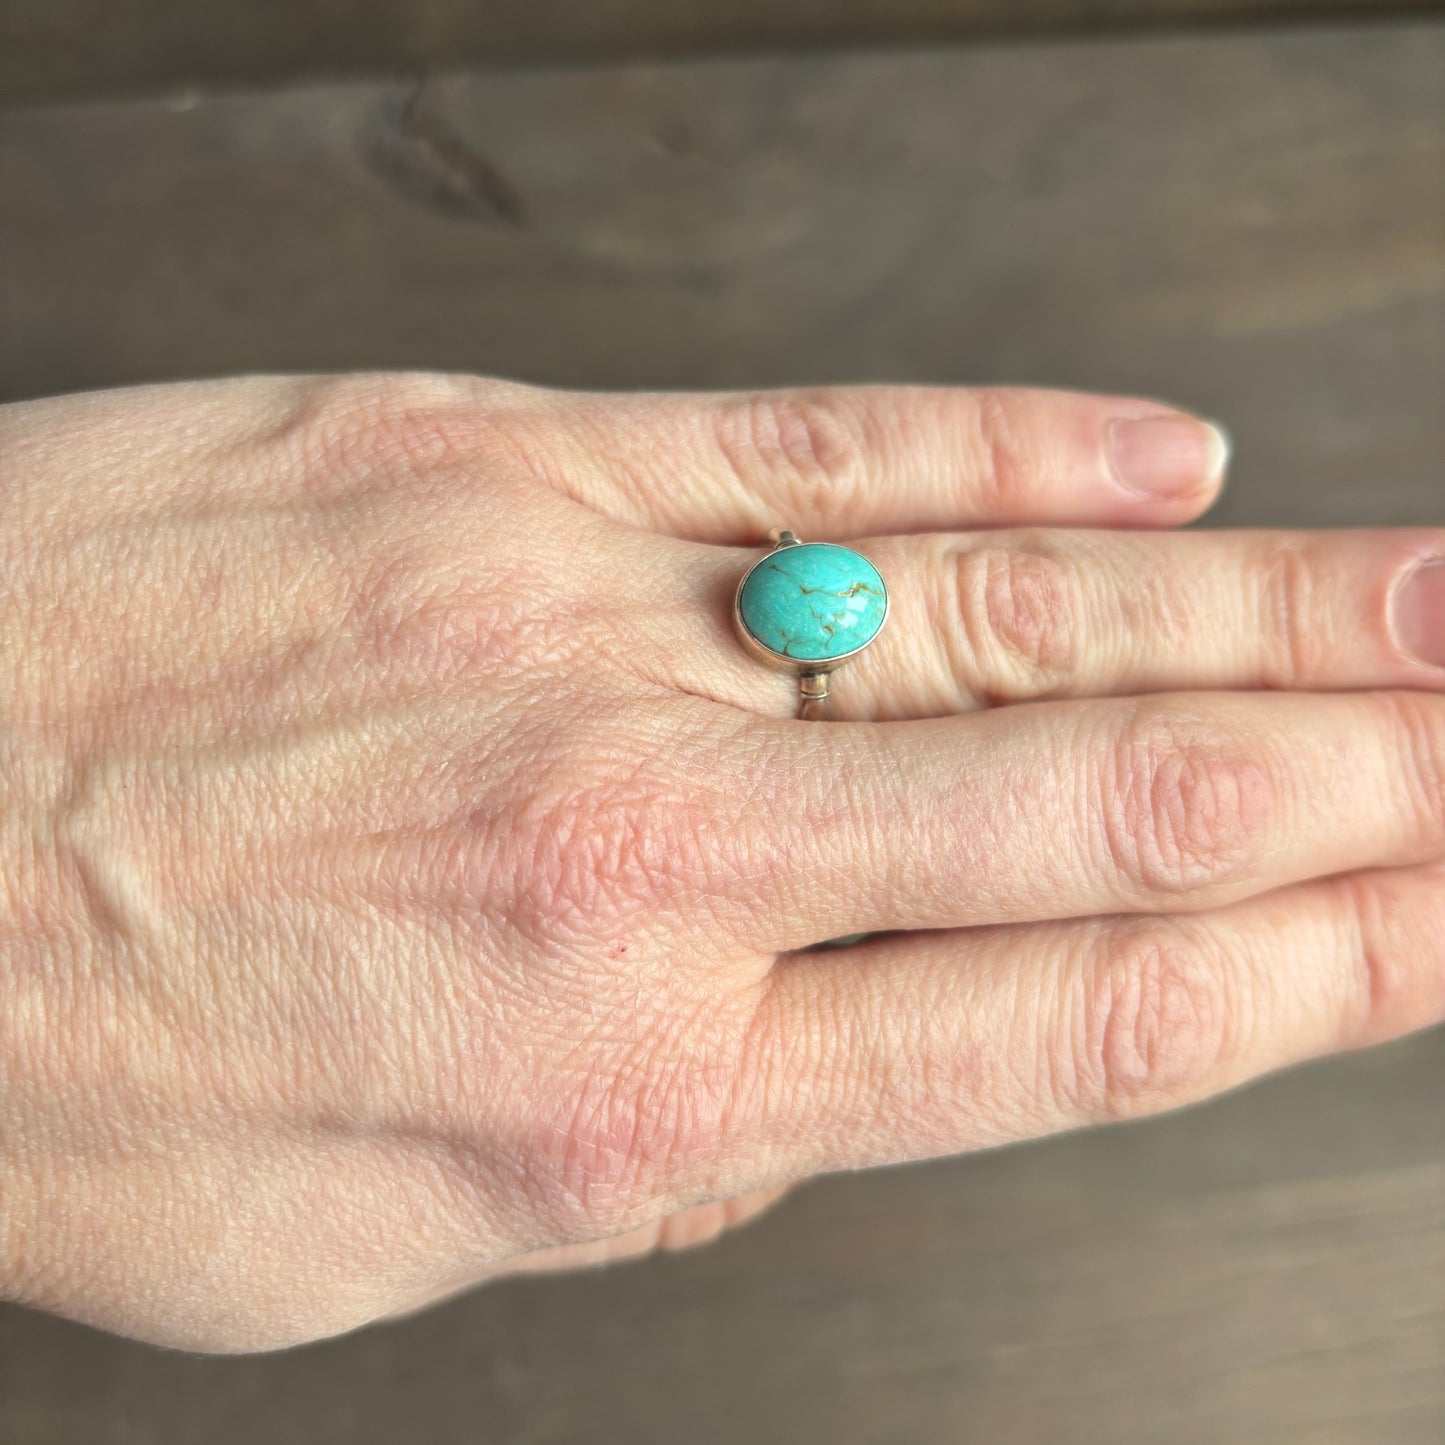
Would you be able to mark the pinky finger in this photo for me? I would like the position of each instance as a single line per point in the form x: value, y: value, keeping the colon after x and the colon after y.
x: 919, y: 1044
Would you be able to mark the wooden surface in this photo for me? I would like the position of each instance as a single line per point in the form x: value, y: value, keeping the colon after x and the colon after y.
x: 1266, y: 1270
x: 1253, y: 225
x: 51, y: 49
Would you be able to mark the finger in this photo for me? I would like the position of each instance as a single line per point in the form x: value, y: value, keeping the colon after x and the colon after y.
x: 832, y: 463
x: 1058, y: 810
x: 688, y: 1228
x: 1003, y: 617
x: 909, y: 1046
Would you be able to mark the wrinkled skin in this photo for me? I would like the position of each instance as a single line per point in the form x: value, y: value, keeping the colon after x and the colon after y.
x: 402, y: 866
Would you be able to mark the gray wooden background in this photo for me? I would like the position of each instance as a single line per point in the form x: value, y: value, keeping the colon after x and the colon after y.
x: 1238, y: 206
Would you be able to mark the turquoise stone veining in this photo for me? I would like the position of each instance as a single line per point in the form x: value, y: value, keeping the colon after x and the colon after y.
x: 813, y: 602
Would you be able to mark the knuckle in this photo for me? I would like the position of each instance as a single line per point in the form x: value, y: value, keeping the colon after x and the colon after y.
x: 642, y: 1121
x: 411, y: 613
x: 813, y: 440
x: 1415, y: 726
x: 1293, y: 646
x: 1006, y: 469
x: 1182, y: 807
x: 627, y: 1136
x: 1396, y: 986
x: 607, y: 842
x: 1014, y: 617
x: 1150, y: 1027
x: 343, y: 431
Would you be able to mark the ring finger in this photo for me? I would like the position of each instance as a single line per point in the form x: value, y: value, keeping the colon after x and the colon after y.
x: 978, y: 619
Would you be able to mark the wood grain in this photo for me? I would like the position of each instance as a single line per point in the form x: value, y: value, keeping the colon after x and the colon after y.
x: 1253, y: 225
x: 1265, y: 1270
x: 55, y: 49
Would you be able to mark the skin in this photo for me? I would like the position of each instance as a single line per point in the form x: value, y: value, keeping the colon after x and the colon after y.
x: 402, y: 863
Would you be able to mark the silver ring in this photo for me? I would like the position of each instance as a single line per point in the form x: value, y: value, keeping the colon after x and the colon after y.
x: 807, y: 607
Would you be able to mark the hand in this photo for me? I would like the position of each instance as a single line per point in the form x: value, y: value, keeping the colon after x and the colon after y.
x: 400, y: 857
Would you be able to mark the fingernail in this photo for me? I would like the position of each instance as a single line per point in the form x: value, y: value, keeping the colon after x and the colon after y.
x: 1419, y: 612
x: 1167, y: 456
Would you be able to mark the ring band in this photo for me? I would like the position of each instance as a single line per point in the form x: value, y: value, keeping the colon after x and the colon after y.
x: 807, y: 607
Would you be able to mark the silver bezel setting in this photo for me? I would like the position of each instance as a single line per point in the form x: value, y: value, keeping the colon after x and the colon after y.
x: 780, y: 660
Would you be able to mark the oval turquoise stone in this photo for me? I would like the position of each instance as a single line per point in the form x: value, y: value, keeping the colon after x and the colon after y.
x: 813, y: 601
